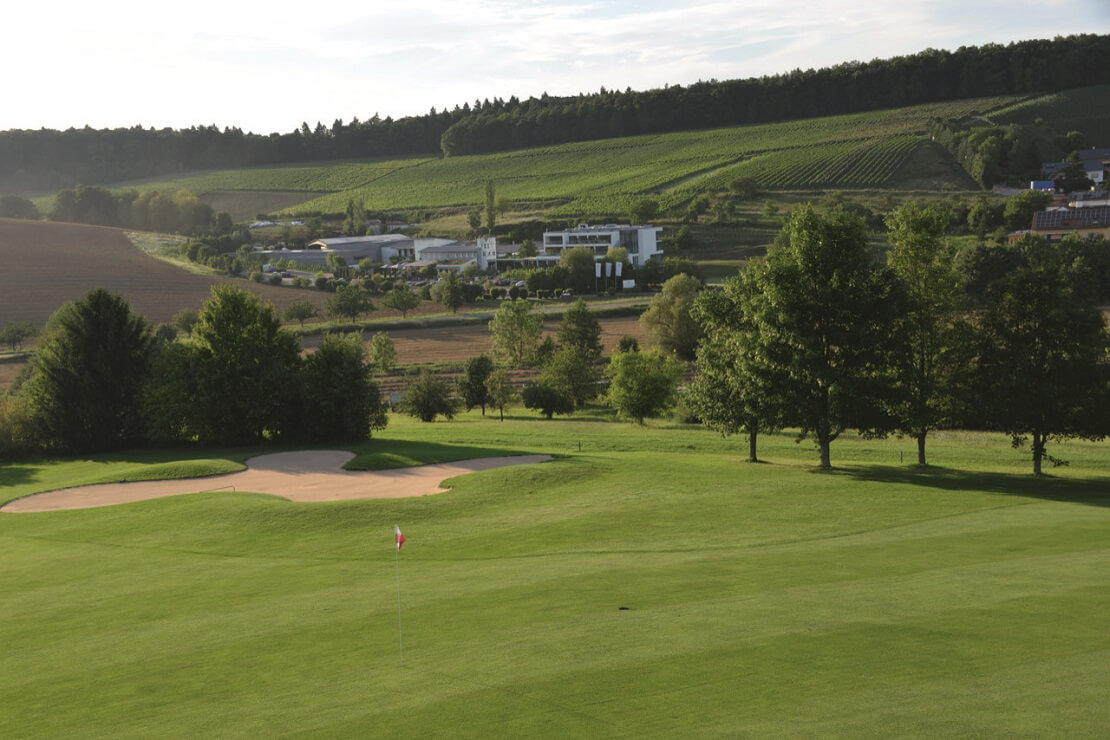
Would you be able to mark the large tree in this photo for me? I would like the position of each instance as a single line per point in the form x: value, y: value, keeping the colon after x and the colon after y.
x: 732, y: 389
x: 452, y: 296
x: 427, y: 397
x: 642, y: 384
x: 501, y: 390
x: 667, y: 321
x: 581, y: 329
x: 1041, y: 368
x: 339, y: 399
x: 579, y: 264
x: 928, y: 348
x: 350, y: 301
x: 245, y: 369
x: 824, y: 315
x: 572, y: 371
x: 401, y: 298
x: 88, y: 374
x: 472, y: 384
x: 516, y: 332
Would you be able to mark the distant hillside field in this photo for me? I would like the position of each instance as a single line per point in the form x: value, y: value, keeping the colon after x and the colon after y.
x: 875, y: 150
x: 45, y: 264
x: 1085, y: 109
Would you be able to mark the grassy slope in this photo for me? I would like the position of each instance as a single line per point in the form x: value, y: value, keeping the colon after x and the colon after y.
x: 602, y: 177
x: 762, y: 599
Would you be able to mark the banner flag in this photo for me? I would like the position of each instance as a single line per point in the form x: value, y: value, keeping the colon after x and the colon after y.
x: 619, y: 266
x: 597, y: 269
x: 608, y: 269
x: 398, y: 538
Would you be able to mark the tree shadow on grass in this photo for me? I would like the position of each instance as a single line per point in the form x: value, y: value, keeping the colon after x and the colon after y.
x: 1092, y: 492
x: 15, y: 475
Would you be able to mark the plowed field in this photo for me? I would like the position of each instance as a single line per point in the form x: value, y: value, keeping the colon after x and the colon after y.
x: 45, y: 264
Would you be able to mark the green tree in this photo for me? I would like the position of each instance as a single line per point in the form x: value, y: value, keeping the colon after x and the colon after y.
x: 401, y: 298
x: 472, y: 384
x: 667, y: 321
x: 474, y: 219
x: 501, y: 391
x: 490, y: 201
x: 1073, y: 176
x: 823, y: 313
x: 383, y: 354
x: 354, y: 223
x: 1020, y: 208
x: 427, y: 397
x: 349, y: 301
x: 245, y: 370
x: 300, y: 311
x: 1042, y: 344
x: 546, y: 399
x: 581, y: 329
x: 184, y: 320
x: 15, y: 333
x: 926, y: 358
x: 87, y: 375
x: 732, y: 389
x: 643, y: 210
x: 642, y: 384
x: 572, y: 371
x: 579, y: 264
x: 340, y: 400
x: 452, y: 297
x: 12, y: 206
x: 527, y: 249
x: 515, y: 333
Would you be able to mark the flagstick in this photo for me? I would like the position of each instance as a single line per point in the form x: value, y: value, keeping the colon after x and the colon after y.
x: 400, y: 634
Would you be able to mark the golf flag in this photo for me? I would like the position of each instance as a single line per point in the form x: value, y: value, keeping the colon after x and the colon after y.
x: 398, y: 538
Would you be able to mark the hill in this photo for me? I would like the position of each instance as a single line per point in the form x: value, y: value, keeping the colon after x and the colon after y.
x: 879, y: 150
x: 47, y: 160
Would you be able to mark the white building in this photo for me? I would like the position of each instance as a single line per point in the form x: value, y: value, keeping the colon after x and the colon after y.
x: 642, y: 242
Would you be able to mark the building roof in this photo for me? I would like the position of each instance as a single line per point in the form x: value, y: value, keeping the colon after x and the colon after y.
x: 354, y: 242
x: 1072, y: 218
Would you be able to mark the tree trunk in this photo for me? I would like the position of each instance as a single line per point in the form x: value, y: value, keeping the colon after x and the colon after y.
x: 1038, y: 452
x: 751, y: 446
x: 826, y: 460
x: 921, y: 448
x: 502, y: 410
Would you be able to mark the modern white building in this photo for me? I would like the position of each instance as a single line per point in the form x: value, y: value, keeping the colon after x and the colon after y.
x: 642, y: 242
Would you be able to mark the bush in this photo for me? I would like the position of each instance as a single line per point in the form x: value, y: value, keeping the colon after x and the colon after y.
x: 321, y: 282
x: 684, y: 413
x: 257, y: 276
x: 274, y: 279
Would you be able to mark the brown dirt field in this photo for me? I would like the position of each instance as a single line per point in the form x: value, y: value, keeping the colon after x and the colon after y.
x: 45, y: 264
x: 298, y: 476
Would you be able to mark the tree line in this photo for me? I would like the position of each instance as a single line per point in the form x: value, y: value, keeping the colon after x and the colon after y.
x: 103, y: 379
x: 822, y: 337
x: 46, y: 160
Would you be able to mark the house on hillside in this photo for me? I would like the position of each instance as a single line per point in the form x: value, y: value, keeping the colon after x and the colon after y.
x: 641, y: 241
x: 1093, y: 199
x: 1057, y: 223
x: 1095, y: 163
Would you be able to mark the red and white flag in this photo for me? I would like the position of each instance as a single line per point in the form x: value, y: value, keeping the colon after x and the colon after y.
x: 398, y: 538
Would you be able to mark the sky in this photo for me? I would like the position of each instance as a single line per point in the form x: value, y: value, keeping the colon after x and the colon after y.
x: 267, y: 67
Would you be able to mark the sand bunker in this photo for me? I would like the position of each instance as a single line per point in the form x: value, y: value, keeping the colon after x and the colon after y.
x: 297, y: 476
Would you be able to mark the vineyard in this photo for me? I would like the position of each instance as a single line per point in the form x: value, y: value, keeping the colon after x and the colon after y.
x: 1085, y: 109
x: 602, y: 178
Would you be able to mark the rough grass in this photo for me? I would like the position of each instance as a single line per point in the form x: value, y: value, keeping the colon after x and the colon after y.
x: 649, y: 584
